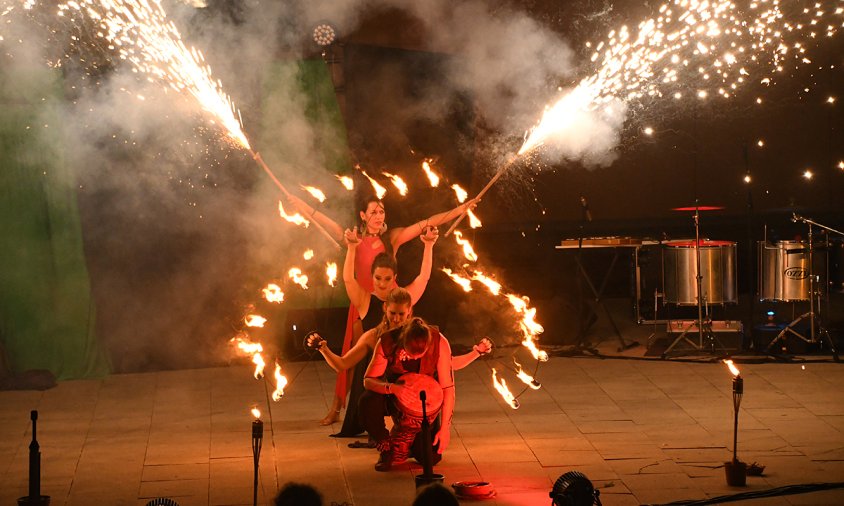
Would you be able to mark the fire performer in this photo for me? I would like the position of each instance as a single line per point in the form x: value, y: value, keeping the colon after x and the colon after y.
x: 375, y: 239
x: 369, y: 304
x: 414, y: 357
x: 398, y: 309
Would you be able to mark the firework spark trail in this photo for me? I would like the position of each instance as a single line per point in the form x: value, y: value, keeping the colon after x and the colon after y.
x: 142, y: 35
x: 690, y: 44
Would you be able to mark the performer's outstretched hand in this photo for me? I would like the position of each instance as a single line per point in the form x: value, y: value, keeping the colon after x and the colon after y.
x: 351, y: 237
x: 483, y: 347
x: 430, y: 235
x: 315, y: 341
x: 443, y: 437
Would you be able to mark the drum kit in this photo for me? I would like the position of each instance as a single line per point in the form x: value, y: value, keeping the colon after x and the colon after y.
x: 702, y: 273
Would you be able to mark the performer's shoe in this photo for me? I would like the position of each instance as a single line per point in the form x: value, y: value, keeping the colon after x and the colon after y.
x: 385, y: 461
x: 363, y: 444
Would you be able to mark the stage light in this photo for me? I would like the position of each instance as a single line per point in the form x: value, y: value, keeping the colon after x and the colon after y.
x: 648, y: 131
x: 747, y: 178
x: 841, y: 165
x: 324, y: 34
x: 574, y: 489
x: 760, y: 143
x: 830, y: 100
x: 807, y: 174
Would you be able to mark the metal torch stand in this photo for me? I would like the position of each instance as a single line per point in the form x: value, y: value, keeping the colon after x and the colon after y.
x: 735, y: 469
x: 257, y: 439
x: 34, y: 498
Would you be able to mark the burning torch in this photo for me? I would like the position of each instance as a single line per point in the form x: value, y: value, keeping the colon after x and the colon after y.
x: 735, y: 469
x: 257, y: 439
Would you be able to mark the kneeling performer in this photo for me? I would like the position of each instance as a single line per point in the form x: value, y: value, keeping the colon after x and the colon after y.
x: 406, y: 361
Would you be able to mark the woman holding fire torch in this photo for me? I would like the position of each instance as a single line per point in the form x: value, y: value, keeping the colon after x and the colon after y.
x: 375, y: 238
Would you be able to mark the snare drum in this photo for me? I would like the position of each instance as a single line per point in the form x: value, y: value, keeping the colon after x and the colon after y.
x: 784, y: 271
x: 717, y: 270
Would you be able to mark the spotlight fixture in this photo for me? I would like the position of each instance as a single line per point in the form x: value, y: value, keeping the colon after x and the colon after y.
x: 324, y: 34
x: 808, y: 174
x: 574, y: 489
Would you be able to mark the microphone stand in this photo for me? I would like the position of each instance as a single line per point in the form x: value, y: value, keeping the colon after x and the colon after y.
x: 585, y: 219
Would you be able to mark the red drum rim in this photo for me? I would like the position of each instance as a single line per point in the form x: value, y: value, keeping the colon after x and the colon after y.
x: 704, y: 243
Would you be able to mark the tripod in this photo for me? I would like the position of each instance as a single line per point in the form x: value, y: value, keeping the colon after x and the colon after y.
x: 815, y: 325
x: 704, y: 326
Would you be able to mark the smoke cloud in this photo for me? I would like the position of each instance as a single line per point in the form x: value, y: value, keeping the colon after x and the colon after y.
x: 180, y: 226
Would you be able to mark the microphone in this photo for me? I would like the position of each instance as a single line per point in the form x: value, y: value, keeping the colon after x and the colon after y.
x: 586, y: 212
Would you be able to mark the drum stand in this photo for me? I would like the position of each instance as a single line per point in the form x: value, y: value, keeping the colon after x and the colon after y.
x: 704, y: 327
x: 815, y: 325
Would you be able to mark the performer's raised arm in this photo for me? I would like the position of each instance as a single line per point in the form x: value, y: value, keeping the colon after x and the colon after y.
x: 445, y: 375
x: 418, y: 285
x: 402, y: 235
x: 357, y: 294
x: 311, y: 213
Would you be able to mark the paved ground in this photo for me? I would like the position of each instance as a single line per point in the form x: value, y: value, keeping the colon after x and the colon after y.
x: 642, y: 431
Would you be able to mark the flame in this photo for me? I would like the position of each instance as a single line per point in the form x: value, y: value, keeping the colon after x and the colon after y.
x: 733, y: 368
x: 295, y: 219
x: 468, y: 251
x: 462, y: 194
x: 347, y: 182
x: 474, y: 222
x: 250, y: 348
x: 331, y: 272
x: 280, y: 383
x: 493, y: 286
x: 309, y: 253
x: 300, y: 279
x: 245, y: 345
x: 258, y: 360
x: 254, y: 320
x: 501, y: 386
x: 315, y: 192
x: 466, y: 284
x: 273, y: 293
x: 256, y: 413
x: 432, y: 177
x: 380, y: 191
x: 530, y: 328
x: 398, y: 182
x: 526, y: 378
x: 145, y: 38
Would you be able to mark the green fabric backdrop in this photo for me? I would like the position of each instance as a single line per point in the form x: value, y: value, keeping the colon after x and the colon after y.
x: 46, y: 309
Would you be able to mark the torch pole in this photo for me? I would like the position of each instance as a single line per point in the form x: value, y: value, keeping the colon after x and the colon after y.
x: 34, y: 464
x: 257, y: 157
x: 486, y: 188
x: 257, y: 438
x: 738, y: 391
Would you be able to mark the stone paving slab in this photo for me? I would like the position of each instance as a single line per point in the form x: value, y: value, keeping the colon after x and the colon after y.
x: 643, y: 431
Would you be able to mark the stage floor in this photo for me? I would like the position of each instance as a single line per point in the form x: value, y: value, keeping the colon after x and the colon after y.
x: 642, y: 431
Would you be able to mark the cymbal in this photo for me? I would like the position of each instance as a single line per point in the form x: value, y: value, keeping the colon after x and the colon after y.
x: 698, y: 208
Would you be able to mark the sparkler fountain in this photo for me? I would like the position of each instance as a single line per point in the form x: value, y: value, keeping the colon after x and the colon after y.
x: 142, y: 35
x: 688, y: 44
